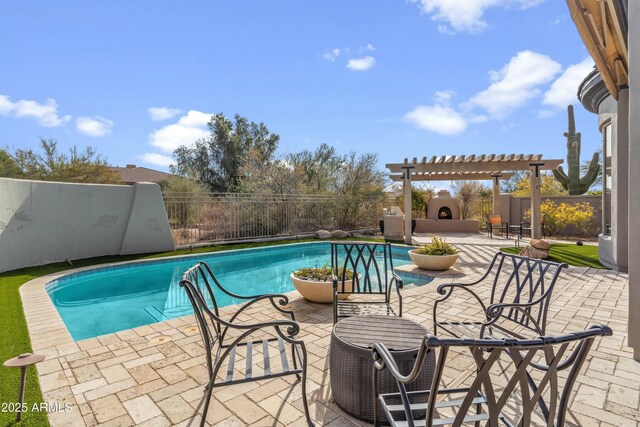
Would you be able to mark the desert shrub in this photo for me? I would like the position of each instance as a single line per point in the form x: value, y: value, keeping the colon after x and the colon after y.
x: 560, y: 217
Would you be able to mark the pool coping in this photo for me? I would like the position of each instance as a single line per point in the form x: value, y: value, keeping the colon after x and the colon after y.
x: 47, y: 330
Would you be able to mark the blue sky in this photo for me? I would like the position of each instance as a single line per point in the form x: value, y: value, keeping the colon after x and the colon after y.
x: 395, y: 77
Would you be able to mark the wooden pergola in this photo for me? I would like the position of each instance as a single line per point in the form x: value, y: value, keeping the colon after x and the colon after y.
x: 482, y: 167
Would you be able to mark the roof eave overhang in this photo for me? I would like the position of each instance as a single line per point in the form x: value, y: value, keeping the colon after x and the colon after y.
x: 602, y: 27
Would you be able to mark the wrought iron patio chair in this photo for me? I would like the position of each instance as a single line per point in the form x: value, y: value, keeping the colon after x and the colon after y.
x: 526, y: 226
x: 494, y: 222
x: 521, y: 289
x: 480, y: 402
x: 227, y: 339
x: 369, y: 289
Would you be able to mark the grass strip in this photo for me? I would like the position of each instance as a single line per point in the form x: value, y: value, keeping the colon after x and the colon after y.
x: 572, y: 254
x: 14, y: 335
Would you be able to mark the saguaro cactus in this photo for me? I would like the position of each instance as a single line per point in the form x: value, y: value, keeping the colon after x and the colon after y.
x: 572, y: 180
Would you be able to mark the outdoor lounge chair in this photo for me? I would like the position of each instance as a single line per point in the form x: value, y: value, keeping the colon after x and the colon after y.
x: 520, y: 293
x: 262, y: 347
x: 527, y: 378
x: 494, y: 222
x: 370, y: 289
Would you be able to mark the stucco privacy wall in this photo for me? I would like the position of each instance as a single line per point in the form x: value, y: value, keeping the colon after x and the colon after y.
x: 44, y: 222
x: 514, y: 208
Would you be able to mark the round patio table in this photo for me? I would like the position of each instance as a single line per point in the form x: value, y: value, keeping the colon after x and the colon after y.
x: 351, y: 361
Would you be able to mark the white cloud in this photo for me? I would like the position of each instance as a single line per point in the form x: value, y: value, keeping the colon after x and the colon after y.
x: 440, y: 119
x: 163, y: 113
x: 332, y: 54
x: 157, y: 159
x: 186, y: 131
x: 95, y: 127
x: 361, y: 64
x: 564, y: 90
x: 370, y: 47
x: 46, y: 114
x: 465, y: 15
x: 443, y: 96
x: 515, y: 84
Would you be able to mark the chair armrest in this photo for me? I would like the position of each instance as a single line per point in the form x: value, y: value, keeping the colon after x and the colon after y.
x: 282, y: 300
x: 382, y: 358
x: 292, y: 327
x: 505, y: 224
x: 398, y: 281
x: 447, y: 290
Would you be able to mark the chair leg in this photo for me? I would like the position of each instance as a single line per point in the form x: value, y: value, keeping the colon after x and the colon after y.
x: 294, y: 356
x: 304, y: 386
x: 205, y: 409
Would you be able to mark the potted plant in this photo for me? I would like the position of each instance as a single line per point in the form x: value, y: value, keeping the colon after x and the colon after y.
x: 316, y: 284
x: 438, y: 255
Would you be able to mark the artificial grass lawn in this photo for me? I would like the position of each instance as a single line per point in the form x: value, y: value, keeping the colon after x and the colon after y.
x: 572, y: 254
x: 14, y: 335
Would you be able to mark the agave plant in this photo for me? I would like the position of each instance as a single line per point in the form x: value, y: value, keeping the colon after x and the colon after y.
x: 321, y: 274
x: 438, y: 247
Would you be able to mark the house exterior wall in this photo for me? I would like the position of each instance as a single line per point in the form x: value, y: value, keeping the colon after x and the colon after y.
x: 45, y: 222
x: 634, y: 175
x: 613, y: 246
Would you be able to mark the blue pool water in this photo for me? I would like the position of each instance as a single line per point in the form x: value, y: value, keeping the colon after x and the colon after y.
x: 115, y: 298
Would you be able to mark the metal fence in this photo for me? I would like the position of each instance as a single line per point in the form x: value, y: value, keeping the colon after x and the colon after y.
x: 211, y: 217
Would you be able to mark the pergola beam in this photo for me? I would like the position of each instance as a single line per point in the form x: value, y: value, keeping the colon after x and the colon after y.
x: 476, y: 165
x: 456, y: 176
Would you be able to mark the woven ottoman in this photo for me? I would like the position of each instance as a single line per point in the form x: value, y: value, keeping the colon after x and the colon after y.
x: 351, y: 361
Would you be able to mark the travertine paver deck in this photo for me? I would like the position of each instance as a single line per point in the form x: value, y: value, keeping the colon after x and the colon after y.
x: 128, y: 378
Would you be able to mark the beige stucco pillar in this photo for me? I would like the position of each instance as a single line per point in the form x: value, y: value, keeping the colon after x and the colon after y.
x: 496, y: 194
x: 535, y: 204
x: 634, y: 177
x: 406, y: 196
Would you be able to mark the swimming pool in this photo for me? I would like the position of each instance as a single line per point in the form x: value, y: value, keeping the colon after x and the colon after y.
x: 114, y: 298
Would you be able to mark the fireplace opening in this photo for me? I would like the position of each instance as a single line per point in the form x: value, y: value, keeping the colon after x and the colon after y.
x: 445, y: 213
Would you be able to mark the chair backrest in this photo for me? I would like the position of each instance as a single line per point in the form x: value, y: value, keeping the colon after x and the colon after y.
x: 522, y: 280
x: 372, y: 262
x: 495, y: 219
x: 199, y: 282
x: 534, y: 371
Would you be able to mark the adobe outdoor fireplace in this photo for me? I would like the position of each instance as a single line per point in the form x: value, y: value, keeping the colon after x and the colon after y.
x: 443, y: 206
x: 445, y: 213
x: 443, y: 216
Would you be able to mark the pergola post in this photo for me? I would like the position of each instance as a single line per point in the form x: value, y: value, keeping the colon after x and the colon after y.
x: 535, y: 201
x: 406, y: 198
x: 496, y: 193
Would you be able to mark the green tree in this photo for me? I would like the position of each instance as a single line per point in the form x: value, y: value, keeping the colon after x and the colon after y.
x: 358, y: 179
x: 549, y: 186
x: 510, y: 185
x: 317, y: 170
x: 8, y: 166
x: 467, y: 193
x: 50, y: 165
x: 272, y: 177
x: 217, y: 160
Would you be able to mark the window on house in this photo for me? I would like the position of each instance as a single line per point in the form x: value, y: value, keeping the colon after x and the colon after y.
x: 607, y: 181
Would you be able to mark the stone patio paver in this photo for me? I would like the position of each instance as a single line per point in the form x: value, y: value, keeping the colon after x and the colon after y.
x: 127, y: 379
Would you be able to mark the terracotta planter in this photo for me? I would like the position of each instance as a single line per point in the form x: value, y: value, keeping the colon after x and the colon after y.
x: 316, y: 290
x: 433, y: 262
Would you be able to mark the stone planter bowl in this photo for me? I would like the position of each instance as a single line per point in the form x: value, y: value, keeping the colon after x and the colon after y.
x: 433, y: 262
x: 316, y: 290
